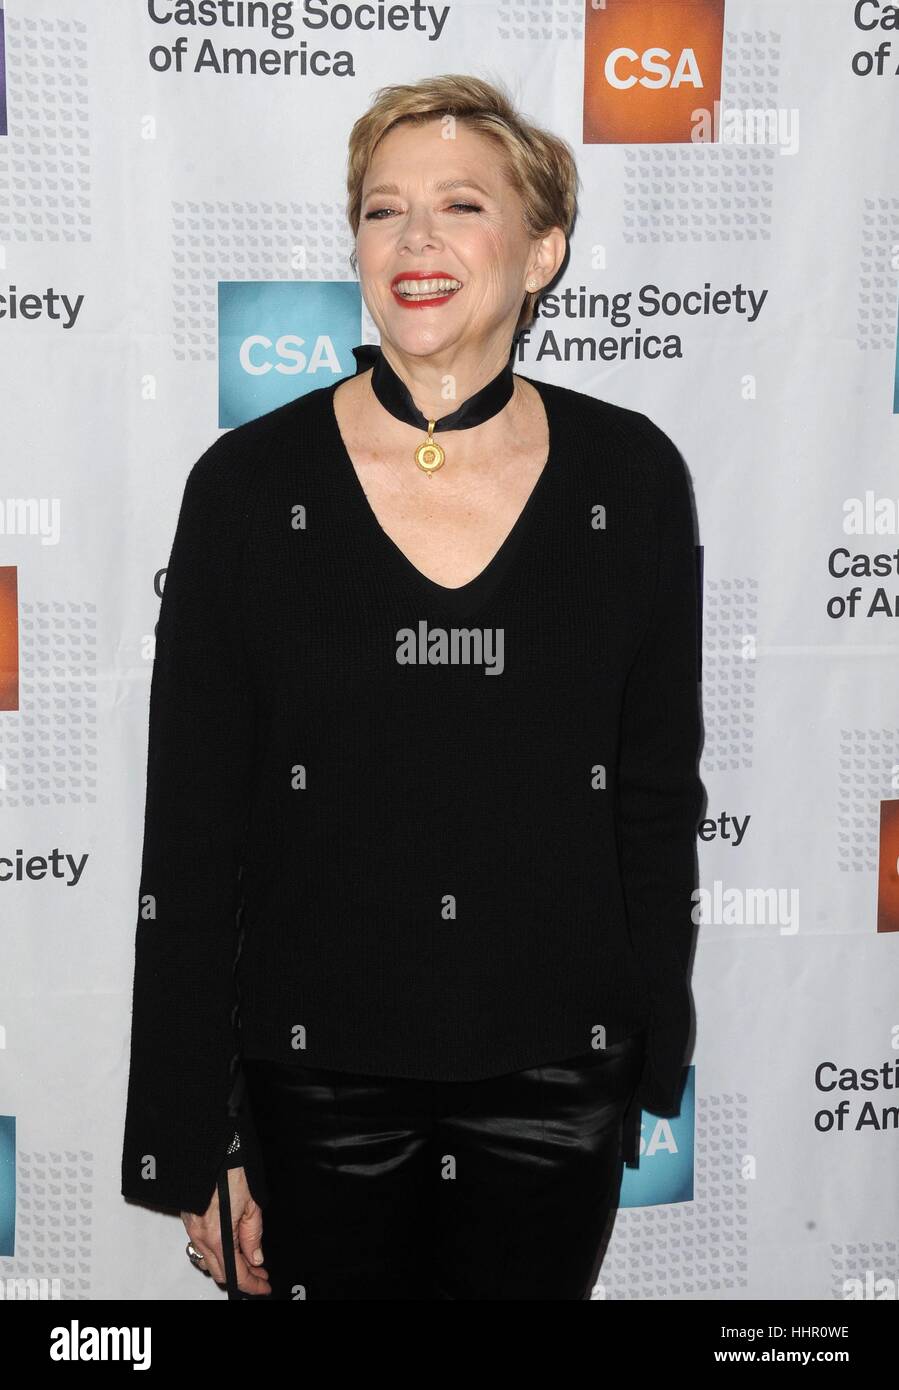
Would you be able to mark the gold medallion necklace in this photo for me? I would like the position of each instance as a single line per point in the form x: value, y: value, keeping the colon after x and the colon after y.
x: 429, y: 456
x: 394, y: 396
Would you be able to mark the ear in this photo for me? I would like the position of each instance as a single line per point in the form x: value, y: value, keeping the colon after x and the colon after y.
x: 548, y: 256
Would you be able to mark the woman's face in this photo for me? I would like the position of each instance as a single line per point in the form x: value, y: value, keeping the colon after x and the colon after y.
x: 472, y: 233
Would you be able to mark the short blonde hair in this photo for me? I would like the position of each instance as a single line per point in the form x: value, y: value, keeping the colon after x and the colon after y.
x: 539, y: 166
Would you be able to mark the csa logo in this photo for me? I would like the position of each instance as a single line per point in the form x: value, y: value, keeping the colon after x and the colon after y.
x: 648, y: 67
x: 7, y: 1185
x: 888, y: 868
x: 9, y: 641
x: 665, y: 1174
x: 271, y: 344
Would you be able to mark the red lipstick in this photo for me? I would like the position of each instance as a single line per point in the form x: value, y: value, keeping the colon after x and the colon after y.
x: 431, y: 300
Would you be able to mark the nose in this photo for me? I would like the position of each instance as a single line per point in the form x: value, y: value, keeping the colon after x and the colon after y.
x: 418, y: 233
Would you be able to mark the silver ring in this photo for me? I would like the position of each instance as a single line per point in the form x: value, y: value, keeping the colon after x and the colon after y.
x: 195, y: 1256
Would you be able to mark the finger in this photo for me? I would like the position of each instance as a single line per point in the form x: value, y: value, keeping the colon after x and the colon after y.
x: 251, y: 1278
x: 212, y: 1258
x: 249, y: 1236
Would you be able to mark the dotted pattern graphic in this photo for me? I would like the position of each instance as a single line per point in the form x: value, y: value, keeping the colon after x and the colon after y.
x: 711, y: 191
x: 50, y: 743
x: 702, y: 192
x: 866, y: 760
x: 54, y: 1220
x: 690, y: 1249
x: 246, y: 241
x: 866, y: 1263
x: 551, y: 22
x: 45, y: 169
x: 876, y: 322
x: 729, y: 618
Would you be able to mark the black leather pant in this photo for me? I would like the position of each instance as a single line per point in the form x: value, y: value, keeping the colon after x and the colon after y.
x: 390, y: 1188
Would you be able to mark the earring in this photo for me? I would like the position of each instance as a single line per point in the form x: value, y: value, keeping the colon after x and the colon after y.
x: 532, y: 285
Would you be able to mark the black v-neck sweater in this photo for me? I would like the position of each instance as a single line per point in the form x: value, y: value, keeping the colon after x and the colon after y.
x: 404, y: 830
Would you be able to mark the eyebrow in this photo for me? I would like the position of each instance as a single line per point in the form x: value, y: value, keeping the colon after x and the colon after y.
x: 444, y: 186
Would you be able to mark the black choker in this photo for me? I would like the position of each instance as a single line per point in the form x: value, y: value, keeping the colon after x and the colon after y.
x: 393, y: 393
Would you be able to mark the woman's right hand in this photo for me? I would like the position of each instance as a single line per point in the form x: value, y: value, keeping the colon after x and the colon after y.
x: 246, y: 1225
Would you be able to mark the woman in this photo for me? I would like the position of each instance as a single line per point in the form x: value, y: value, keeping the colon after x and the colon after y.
x: 424, y: 725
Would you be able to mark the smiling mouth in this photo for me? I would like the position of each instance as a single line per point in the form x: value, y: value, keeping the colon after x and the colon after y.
x: 439, y: 288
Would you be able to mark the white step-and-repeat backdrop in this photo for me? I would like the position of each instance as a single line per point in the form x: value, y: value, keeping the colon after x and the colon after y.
x: 172, y: 179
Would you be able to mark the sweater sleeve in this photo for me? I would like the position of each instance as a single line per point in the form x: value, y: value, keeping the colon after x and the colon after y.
x: 200, y: 756
x: 660, y: 793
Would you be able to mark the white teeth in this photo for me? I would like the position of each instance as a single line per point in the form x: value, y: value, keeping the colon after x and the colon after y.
x: 424, y: 289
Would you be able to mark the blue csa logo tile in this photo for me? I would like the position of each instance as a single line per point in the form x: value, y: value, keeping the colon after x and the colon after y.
x: 279, y: 339
x: 665, y: 1174
x: 7, y: 1184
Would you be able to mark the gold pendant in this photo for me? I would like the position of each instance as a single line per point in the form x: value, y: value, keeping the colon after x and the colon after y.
x: 429, y: 456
